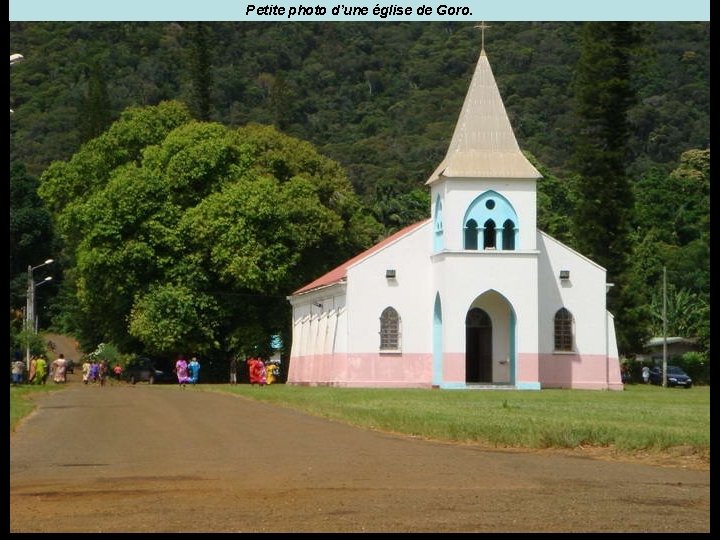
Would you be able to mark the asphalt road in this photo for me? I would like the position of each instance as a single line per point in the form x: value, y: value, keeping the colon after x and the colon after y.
x: 161, y: 459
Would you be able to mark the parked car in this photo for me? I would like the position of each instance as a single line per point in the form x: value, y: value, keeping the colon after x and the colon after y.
x: 143, y: 369
x: 675, y: 376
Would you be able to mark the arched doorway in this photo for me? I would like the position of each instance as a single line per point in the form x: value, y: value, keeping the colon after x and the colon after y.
x: 478, y: 347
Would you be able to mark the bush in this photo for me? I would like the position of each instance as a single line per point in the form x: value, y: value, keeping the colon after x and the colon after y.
x: 696, y: 365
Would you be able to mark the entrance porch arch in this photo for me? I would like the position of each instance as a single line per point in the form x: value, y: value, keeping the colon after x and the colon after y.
x: 490, y: 335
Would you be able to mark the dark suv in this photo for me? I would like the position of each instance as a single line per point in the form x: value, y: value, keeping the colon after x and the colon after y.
x: 142, y: 369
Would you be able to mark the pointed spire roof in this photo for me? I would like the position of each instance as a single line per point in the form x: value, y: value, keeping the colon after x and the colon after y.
x: 483, y: 144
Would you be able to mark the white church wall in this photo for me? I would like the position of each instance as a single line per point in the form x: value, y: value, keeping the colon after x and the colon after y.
x: 370, y: 292
x: 319, y: 335
x: 583, y: 293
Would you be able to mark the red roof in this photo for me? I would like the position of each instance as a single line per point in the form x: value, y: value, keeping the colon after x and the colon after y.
x: 339, y: 273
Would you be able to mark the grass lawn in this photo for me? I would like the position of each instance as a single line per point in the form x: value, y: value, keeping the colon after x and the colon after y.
x: 21, y: 403
x: 642, y: 417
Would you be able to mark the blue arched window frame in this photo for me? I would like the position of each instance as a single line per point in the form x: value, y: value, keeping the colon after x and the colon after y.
x: 438, y: 240
x: 496, y: 214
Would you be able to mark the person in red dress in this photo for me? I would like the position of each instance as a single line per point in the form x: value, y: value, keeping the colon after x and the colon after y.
x: 256, y: 370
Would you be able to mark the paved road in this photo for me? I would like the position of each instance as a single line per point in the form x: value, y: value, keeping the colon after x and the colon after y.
x: 160, y: 459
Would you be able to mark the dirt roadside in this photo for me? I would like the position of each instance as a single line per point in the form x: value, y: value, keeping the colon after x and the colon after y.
x: 58, y: 343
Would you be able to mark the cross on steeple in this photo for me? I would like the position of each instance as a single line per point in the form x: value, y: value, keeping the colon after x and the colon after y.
x: 482, y: 26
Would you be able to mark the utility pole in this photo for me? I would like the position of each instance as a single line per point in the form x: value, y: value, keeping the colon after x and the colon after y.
x: 664, y: 367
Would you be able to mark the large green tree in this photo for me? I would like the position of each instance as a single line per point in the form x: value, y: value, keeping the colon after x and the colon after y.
x: 186, y: 234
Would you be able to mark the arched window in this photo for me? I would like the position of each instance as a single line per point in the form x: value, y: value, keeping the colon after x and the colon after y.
x: 389, y: 330
x: 563, y: 330
x: 438, y: 239
x: 508, y: 235
x: 438, y: 216
x: 489, y: 236
x: 471, y: 235
x: 498, y: 225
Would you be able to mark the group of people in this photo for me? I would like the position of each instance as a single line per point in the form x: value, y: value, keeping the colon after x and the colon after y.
x: 187, y: 372
x: 40, y: 370
x: 261, y: 373
x: 258, y: 371
x: 95, y: 371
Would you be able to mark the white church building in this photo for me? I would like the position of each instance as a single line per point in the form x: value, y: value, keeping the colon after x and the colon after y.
x: 473, y: 297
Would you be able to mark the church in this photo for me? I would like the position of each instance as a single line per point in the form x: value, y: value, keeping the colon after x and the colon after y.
x: 473, y: 297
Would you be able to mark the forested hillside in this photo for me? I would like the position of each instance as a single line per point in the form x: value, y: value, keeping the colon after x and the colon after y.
x: 381, y: 99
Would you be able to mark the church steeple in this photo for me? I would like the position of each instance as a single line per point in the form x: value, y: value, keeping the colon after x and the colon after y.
x: 483, y: 144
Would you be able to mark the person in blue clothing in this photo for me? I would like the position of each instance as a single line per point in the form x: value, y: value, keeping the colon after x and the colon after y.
x: 194, y: 369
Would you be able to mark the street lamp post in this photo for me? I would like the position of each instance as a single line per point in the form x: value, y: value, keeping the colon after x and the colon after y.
x: 30, y: 306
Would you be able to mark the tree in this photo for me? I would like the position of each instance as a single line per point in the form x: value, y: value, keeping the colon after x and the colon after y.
x: 685, y: 313
x: 672, y: 231
x: 189, y: 233
x: 32, y: 239
x: 201, y: 54
x: 604, y: 94
x: 95, y: 113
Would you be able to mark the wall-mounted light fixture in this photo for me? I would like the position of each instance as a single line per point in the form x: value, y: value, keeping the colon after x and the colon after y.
x: 317, y: 304
x: 564, y: 274
x: 390, y: 273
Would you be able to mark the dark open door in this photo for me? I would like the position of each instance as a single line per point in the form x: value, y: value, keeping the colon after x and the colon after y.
x: 478, y: 347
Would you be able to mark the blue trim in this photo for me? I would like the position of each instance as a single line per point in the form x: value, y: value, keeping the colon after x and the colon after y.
x: 437, y: 342
x: 513, y: 358
x: 528, y: 385
x: 438, y: 237
x: 453, y: 386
